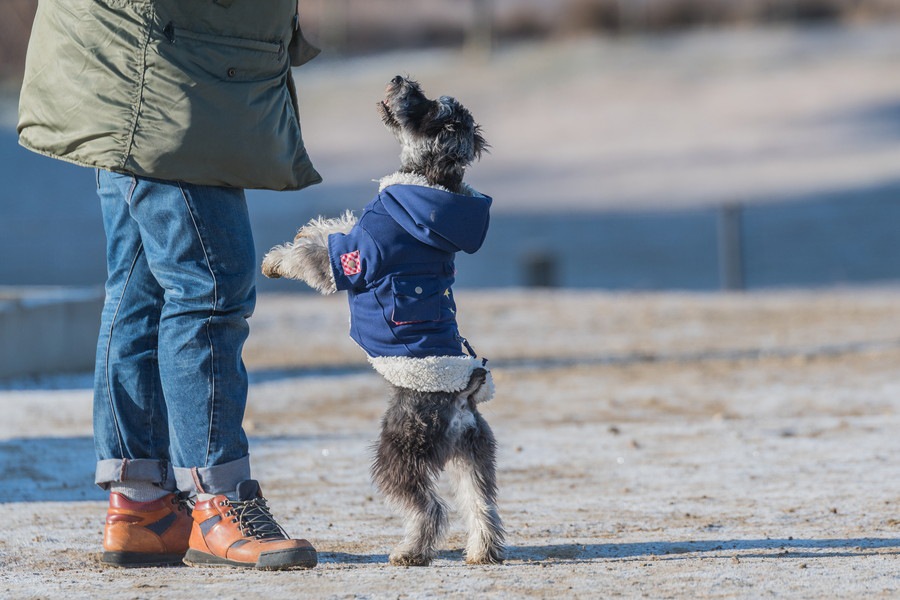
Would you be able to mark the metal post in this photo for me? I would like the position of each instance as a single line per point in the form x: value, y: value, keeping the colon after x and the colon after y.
x: 541, y: 269
x: 731, y: 247
x: 480, y: 38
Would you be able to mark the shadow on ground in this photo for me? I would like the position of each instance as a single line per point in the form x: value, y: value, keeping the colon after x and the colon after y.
x: 48, y: 469
x: 61, y: 469
x: 766, y: 548
x: 786, y: 548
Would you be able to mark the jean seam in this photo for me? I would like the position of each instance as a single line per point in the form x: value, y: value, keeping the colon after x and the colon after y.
x: 130, y: 195
x: 215, y: 302
x: 156, y: 390
x: 112, y: 326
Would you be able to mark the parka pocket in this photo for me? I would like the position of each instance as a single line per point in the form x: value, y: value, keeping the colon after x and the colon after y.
x: 225, y: 58
x: 417, y: 298
x: 218, y: 110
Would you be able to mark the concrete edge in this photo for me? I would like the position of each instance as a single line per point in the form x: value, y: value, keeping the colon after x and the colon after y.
x: 48, y: 330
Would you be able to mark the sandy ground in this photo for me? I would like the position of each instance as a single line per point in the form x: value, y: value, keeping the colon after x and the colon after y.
x: 659, y: 446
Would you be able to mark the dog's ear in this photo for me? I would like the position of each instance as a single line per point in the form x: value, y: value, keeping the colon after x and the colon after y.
x: 453, y: 141
x: 480, y: 144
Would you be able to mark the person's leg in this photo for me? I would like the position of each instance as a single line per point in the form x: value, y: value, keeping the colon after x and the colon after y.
x: 146, y: 524
x: 130, y: 422
x: 200, y: 249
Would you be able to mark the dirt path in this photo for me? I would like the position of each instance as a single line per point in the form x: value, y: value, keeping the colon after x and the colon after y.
x: 658, y: 446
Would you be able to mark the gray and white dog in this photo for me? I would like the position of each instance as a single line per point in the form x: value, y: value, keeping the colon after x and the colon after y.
x: 396, y: 263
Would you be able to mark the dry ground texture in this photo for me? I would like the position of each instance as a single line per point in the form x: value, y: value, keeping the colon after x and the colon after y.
x: 659, y: 446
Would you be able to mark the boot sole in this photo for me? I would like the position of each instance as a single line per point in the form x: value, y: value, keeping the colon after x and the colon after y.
x: 140, y: 559
x: 297, y: 558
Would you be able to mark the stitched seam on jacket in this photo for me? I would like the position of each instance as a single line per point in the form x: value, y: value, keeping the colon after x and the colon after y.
x: 137, y: 103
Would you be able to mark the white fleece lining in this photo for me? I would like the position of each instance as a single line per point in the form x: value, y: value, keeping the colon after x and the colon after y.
x: 399, y: 178
x: 433, y: 373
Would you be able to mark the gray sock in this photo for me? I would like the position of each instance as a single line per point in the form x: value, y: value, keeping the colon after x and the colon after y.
x: 138, y: 491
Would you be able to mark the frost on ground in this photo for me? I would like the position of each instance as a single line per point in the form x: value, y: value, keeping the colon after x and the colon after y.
x: 657, y: 446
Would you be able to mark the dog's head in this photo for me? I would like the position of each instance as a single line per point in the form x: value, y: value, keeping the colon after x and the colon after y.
x: 438, y: 138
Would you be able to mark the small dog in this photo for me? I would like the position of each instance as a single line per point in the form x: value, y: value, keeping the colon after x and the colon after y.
x: 396, y: 262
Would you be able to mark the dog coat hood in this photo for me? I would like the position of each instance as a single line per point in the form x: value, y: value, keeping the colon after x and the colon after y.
x: 447, y: 221
x: 397, y: 265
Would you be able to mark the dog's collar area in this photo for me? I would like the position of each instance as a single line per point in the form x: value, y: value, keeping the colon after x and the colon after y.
x: 400, y: 178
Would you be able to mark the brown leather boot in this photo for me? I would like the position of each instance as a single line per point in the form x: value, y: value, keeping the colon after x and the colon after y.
x: 145, y: 534
x: 244, y: 534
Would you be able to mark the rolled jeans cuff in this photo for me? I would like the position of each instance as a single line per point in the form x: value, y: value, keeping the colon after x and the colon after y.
x: 217, y: 479
x: 114, y: 470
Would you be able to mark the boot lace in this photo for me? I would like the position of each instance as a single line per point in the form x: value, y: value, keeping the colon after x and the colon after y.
x: 255, y: 520
x: 183, y: 501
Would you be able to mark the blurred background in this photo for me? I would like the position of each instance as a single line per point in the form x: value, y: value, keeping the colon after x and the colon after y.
x: 636, y: 144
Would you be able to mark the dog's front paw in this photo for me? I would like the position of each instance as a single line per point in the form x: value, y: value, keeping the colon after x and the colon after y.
x: 271, y: 265
x: 304, y: 260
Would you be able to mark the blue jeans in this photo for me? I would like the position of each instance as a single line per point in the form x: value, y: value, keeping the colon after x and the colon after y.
x: 170, y: 385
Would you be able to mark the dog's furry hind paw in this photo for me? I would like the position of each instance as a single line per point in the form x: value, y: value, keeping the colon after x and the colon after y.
x: 485, y: 560
x: 409, y: 560
x: 487, y: 556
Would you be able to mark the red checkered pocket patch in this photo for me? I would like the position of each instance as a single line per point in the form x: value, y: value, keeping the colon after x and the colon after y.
x: 350, y: 263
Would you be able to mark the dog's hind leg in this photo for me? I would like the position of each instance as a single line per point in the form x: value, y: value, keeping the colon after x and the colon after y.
x: 473, y: 468
x: 425, y: 522
x: 411, y: 453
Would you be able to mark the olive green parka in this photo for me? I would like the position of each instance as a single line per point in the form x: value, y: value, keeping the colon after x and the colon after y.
x: 199, y: 91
